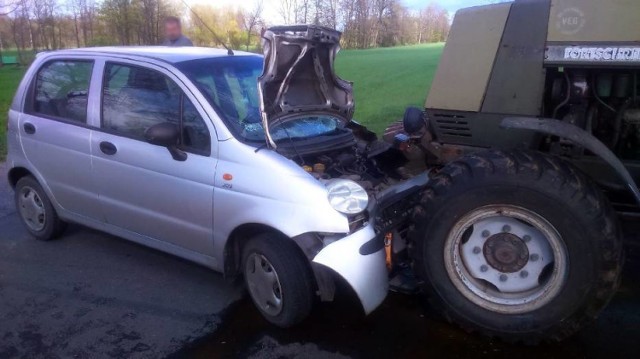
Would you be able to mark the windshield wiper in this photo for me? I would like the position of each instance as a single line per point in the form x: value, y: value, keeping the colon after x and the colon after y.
x: 262, y: 146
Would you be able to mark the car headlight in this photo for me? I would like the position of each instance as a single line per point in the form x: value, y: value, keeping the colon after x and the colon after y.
x: 347, y: 196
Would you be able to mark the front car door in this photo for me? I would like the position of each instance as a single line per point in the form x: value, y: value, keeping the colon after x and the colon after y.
x: 55, y: 132
x: 142, y: 188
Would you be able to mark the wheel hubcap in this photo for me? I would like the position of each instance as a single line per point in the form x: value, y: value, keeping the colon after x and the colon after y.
x: 263, y: 284
x: 506, y: 252
x: 32, y: 209
x: 506, y: 259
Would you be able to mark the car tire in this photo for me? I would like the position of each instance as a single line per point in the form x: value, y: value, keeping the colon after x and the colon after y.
x: 279, y: 279
x: 512, y: 203
x: 36, y: 211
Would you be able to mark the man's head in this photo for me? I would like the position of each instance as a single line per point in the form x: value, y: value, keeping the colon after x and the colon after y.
x: 172, y: 28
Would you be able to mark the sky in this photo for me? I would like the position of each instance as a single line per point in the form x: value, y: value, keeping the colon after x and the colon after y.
x: 272, y: 16
x: 450, y: 5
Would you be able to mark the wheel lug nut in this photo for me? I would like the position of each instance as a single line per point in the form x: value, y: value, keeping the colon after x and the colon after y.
x: 506, y: 228
x: 486, y: 233
x: 524, y: 274
x: 526, y: 238
x: 484, y: 268
x: 503, y: 277
x: 476, y: 250
x: 534, y: 257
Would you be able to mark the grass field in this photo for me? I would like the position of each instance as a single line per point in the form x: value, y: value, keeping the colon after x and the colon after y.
x: 27, y: 56
x: 9, y: 78
x: 386, y: 81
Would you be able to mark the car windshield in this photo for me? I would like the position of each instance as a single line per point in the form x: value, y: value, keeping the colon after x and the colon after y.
x: 230, y: 84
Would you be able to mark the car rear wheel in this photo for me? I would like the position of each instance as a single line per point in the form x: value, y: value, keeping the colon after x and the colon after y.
x: 279, y: 279
x: 36, y: 211
x: 517, y: 245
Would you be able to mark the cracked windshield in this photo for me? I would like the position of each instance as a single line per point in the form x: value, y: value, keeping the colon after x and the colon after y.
x: 229, y: 84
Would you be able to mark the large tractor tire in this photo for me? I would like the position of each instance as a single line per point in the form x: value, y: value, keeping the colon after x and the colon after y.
x: 516, y: 245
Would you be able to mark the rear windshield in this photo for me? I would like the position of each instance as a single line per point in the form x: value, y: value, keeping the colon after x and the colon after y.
x: 230, y: 84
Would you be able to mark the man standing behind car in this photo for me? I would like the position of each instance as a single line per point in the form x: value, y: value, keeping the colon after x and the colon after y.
x: 173, y: 33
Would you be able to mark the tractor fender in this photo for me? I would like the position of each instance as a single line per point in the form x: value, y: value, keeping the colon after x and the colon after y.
x: 578, y: 136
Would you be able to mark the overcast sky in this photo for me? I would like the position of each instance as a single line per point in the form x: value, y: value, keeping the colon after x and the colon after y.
x: 272, y: 15
x: 451, y: 5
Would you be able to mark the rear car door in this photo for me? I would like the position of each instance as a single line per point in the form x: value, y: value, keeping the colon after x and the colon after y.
x: 142, y: 188
x: 55, y: 134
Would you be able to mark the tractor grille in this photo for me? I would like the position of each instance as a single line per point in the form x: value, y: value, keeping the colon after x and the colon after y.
x: 452, y: 125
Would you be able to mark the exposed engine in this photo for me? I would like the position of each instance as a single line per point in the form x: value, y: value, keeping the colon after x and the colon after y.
x: 604, y: 102
x: 372, y: 163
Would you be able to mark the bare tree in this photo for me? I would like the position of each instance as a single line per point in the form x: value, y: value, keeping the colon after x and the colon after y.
x: 327, y: 12
x: 8, y: 7
x: 289, y: 10
x: 251, y: 19
x: 83, y: 14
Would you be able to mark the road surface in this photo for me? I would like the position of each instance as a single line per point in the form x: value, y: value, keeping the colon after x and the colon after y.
x: 92, y: 295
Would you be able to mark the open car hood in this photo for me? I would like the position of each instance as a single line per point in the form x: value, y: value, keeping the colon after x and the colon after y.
x: 298, y: 79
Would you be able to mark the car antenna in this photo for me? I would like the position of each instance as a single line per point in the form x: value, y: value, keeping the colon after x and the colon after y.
x: 215, y: 36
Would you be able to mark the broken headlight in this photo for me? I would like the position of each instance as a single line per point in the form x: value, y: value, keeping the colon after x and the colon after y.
x: 347, y: 196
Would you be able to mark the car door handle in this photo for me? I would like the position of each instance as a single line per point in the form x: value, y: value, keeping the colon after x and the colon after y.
x: 29, y: 128
x: 108, y: 148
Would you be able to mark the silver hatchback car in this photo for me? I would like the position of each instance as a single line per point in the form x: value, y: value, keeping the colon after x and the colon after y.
x: 246, y: 164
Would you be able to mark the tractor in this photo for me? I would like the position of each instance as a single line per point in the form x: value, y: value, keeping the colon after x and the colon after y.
x: 531, y: 136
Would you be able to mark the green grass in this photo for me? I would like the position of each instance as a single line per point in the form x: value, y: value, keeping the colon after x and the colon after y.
x: 10, y: 76
x: 27, y: 56
x: 387, y: 80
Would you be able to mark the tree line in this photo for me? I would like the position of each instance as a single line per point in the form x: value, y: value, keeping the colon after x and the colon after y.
x: 371, y: 23
x: 29, y: 26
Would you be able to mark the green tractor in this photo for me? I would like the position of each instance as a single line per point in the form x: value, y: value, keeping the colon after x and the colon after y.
x: 531, y: 132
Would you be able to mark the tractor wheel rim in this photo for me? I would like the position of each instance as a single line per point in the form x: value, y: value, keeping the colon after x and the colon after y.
x: 263, y: 284
x: 506, y: 259
x: 32, y: 209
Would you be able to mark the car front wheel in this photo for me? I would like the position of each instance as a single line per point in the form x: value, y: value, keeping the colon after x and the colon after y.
x: 279, y: 279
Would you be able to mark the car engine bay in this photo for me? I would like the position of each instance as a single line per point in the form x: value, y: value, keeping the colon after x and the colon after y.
x: 373, y: 163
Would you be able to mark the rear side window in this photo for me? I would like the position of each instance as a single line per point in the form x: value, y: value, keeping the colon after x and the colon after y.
x: 61, y: 90
x: 136, y: 98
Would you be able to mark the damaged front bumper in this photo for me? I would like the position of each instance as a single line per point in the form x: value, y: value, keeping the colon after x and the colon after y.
x: 360, y: 258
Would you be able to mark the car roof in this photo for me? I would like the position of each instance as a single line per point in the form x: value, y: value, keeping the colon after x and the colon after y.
x: 163, y: 53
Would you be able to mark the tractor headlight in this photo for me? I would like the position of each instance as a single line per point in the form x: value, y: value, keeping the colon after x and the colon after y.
x: 347, y: 196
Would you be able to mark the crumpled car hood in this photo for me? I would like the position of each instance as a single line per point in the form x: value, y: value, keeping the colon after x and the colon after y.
x: 298, y: 79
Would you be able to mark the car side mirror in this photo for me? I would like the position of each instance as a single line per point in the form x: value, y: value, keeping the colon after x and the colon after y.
x: 167, y: 135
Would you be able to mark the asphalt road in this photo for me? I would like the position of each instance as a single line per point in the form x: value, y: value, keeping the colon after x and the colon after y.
x: 404, y: 327
x: 91, y: 295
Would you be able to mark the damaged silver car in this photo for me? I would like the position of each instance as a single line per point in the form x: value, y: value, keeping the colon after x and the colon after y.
x: 179, y: 150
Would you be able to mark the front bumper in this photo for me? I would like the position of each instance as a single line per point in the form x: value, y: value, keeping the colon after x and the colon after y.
x: 366, y: 274
x: 359, y: 258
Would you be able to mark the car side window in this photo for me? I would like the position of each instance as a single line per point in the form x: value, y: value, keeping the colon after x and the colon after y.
x: 195, y: 134
x: 135, y: 98
x: 62, y: 90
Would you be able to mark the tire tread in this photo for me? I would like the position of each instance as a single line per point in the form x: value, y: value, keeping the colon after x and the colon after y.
x: 575, y: 187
